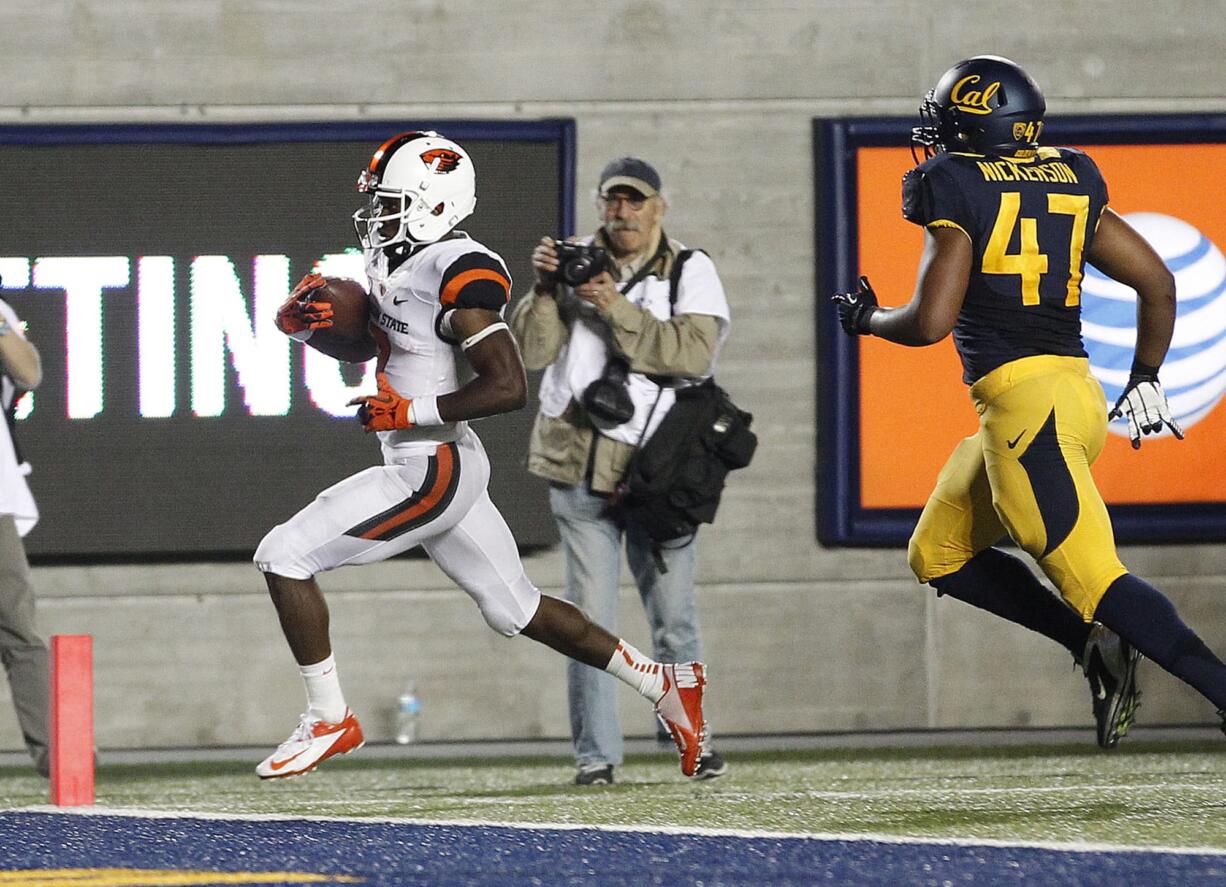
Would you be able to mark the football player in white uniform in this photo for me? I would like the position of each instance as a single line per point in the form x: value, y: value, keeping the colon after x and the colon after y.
x: 436, y: 297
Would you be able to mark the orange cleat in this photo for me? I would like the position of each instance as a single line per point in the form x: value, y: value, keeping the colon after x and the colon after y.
x: 680, y: 710
x: 312, y: 743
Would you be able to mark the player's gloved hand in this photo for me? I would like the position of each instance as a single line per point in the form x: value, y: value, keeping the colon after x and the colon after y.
x: 298, y: 314
x: 1144, y: 405
x: 385, y: 411
x: 856, y: 308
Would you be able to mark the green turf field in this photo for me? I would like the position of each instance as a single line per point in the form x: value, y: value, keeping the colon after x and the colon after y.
x: 1168, y: 794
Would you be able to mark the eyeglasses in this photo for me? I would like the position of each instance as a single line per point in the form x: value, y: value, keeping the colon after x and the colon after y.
x: 614, y: 201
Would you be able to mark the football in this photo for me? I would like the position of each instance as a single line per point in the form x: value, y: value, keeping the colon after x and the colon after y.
x: 350, y: 309
x: 348, y: 338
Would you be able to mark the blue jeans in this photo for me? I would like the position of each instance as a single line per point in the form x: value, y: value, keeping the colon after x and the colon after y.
x: 592, y: 544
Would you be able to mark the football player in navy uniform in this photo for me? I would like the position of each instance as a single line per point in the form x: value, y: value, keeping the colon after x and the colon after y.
x: 436, y: 301
x: 1008, y: 228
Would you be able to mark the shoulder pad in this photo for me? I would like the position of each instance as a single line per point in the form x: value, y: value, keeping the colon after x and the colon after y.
x: 916, y: 197
x: 476, y: 279
x: 1082, y: 163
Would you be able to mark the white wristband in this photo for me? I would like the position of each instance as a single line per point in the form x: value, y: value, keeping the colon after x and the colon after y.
x: 424, y: 411
x: 444, y: 326
x: 301, y: 335
x: 477, y: 337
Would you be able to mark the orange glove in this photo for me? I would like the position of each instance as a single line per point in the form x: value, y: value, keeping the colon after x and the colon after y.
x: 298, y: 314
x: 385, y: 411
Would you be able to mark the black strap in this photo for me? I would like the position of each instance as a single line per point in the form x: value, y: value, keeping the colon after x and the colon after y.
x: 674, y: 279
x: 674, y: 284
x: 642, y: 273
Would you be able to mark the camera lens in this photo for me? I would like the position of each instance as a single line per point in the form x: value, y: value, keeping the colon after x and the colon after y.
x: 577, y: 270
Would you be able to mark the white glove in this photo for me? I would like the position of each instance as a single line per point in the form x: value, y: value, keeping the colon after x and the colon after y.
x: 1144, y: 404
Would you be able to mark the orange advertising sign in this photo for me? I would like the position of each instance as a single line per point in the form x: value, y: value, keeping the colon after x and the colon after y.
x: 913, y: 406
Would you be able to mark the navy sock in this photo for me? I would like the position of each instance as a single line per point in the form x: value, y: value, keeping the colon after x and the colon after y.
x: 1143, y: 616
x: 1000, y: 583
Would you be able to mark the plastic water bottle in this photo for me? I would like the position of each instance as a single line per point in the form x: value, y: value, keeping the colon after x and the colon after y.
x: 408, y: 707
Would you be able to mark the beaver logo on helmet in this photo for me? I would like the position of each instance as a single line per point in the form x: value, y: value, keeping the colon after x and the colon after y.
x: 984, y: 105
x: 446, y: 159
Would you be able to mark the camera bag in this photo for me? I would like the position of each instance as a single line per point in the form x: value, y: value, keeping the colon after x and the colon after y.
x: 674, y: 481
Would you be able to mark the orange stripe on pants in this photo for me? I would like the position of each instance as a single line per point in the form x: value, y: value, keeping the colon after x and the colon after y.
x: 446, y: 468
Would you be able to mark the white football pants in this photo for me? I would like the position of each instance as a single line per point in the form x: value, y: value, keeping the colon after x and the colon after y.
x: 435, y: 499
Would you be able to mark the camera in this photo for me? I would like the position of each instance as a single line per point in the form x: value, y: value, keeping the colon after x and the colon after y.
x: 607, y: 400
x: 579, y: 262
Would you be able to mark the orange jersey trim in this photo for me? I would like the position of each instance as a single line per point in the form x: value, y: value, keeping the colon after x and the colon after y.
x: 451, y: 292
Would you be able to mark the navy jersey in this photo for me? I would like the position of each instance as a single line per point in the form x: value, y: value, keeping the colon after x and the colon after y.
x: 1030, y: 223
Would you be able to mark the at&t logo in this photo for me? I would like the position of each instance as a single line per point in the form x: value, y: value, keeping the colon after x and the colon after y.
x: 1194, y: 373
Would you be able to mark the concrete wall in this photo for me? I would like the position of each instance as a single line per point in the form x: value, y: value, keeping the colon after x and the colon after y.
x: 720, y: 96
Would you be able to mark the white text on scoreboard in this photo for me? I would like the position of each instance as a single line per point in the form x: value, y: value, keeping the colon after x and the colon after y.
x: 226, y: 329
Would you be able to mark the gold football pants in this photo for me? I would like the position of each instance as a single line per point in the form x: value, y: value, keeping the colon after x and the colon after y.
x: 1042, y: 423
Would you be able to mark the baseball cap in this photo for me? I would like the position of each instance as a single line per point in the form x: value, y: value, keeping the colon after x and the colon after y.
x: 630, y: 172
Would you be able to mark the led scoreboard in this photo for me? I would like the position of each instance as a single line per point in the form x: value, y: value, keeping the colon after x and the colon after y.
x: 174, y: 421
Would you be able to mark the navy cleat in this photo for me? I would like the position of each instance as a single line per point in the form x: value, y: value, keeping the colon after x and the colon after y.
x: 1110, y: 665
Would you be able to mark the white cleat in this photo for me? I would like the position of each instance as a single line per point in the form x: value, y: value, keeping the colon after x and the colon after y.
x: 312, y: 743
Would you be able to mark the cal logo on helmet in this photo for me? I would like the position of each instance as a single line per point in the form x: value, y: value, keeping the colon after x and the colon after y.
x: 965, y: 97
x: 447, y: 159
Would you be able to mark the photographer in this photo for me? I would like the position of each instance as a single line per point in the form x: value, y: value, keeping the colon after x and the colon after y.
x: 600, y: 321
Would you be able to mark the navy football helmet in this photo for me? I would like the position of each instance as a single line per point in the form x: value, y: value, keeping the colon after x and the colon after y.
x: 986, y: 104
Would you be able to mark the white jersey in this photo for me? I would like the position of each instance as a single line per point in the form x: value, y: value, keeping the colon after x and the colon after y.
x: 15, y: 496
x: 409, y: 307
x: 431, y: 491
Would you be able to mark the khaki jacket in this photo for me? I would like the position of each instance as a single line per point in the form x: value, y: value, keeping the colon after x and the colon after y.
x: 567, y: 449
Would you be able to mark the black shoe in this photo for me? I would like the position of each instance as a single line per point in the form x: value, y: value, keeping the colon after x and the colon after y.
x: 710, y: 765
x: 1110, y: 665
x: 597, y: 775
x: 1221, y: 713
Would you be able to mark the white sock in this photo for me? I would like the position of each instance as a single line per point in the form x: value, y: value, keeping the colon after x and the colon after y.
x: 323, y: 688
x: 639, y: 671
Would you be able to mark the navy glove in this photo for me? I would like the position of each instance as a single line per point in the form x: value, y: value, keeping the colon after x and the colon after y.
x: 856, y: 308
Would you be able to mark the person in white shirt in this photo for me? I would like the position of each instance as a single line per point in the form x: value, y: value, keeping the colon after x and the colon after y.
x: 436, y: 300
x: 613, y: 347
x: 22, y: 650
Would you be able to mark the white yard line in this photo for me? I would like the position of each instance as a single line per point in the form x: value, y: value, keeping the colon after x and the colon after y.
x: 1066, y: 846
x: 1215, y: 788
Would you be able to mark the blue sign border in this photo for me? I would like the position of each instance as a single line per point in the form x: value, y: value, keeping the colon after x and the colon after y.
x: 557, y: 130
x: 841, y: 520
